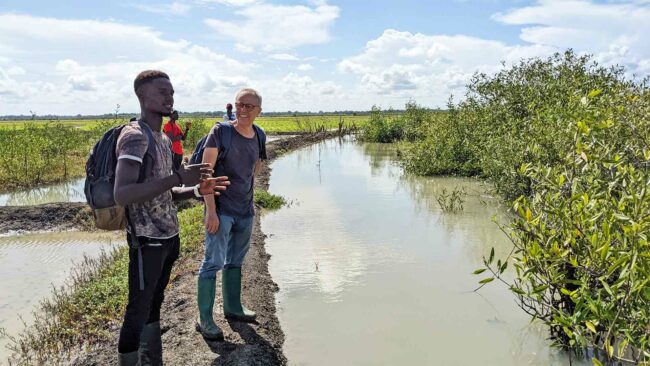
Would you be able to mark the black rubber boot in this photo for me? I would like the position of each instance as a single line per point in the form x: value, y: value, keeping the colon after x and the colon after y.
x: 128, y: 359
x: 151, y: 345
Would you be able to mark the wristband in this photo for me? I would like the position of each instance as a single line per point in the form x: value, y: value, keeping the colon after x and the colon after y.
x: 196, y: 191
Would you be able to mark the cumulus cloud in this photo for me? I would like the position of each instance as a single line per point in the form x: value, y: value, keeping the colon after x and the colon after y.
x: 616, y: 33
x: 429, y: 68
x: 302, y: 93
x: 87, y: 66
x: 54, y: 77
x: 102, y: 41
x: 278, y: 27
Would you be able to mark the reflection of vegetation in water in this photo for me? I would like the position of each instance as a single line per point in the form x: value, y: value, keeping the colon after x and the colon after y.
x: 66, y: 192
x: 381, y: 158
x: 451, y: 201
x: 474, y: 223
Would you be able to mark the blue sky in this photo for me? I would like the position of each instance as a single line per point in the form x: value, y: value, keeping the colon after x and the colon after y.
x: 74, y: 57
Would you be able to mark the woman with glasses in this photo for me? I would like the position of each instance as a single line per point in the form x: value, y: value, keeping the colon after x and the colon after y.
x: 229, y: 219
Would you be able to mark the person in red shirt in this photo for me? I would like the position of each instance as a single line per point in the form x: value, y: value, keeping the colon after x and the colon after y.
x: 176, y: 134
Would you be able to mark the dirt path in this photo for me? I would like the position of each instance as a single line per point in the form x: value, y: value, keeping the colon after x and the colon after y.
x: 245, y: 344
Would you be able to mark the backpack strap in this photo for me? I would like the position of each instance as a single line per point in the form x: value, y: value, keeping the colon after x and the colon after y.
x: 135, y: 243
x: 226, y: 139
x: 261, y: 140
x: 146, y: 164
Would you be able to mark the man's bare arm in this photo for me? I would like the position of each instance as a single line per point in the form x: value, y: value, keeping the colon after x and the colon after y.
x: 127, y: 189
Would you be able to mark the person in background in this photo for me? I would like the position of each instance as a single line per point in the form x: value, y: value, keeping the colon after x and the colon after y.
x: 176, y: 135
x: 230, y: 115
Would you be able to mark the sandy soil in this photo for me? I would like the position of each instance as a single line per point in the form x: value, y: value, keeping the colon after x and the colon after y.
x: 245, y: 344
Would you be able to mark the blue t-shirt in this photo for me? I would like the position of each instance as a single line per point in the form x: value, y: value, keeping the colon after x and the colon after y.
x: 239, y: 166
x: 232, y: 117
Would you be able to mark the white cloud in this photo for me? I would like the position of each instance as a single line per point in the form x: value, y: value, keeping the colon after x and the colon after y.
x: 303, y: 93
x: 70, y: 66
x: 102, y: 41
x: 615, y: 33
x: 429, y: 68
x: 82, y: 82
x: 175, y: 8
x: 278, y: 27
x: 57, y: 76
x: 283, y: 57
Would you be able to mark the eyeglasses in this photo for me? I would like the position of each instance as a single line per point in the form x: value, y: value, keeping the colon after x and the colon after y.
x: 248, y: 107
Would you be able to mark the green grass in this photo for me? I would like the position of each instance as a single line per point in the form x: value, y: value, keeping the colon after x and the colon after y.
x: 268, y: 200
x: 269, y: 124
x: 82, y: 124
x: 45, y: 152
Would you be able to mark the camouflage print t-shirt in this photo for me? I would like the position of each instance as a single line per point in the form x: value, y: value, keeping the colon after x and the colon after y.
x: 155, y: 218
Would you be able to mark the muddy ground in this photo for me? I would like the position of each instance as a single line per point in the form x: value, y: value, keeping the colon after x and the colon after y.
x: 46, y: 217
x: 245, y: 344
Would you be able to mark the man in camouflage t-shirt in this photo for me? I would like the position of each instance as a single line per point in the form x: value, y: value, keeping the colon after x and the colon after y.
x: 153, y: 226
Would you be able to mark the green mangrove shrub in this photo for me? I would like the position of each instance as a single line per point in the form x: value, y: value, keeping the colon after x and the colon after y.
x: 580, y: 239
x: 381, y: 127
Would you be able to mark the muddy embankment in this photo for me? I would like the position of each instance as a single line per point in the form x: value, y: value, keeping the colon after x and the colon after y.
x: 245, y: 344
x: 46, y: 217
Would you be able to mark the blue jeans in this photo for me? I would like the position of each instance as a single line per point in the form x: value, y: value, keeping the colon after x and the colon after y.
x: 228, y: 246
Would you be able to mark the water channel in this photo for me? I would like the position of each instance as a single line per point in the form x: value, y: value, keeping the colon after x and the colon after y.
x: 372, y: 272
x: 31, y: 264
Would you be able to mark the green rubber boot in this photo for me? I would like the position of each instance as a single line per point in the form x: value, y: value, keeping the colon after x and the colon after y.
x: 151, y: 345
x: 232, y: 306
x: 206, y: 288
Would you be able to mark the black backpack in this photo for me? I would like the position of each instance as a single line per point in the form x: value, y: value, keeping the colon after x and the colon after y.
x: 226, y: 141
x: 100, y: 179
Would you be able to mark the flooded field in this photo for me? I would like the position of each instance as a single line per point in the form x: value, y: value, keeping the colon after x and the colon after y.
x: 371, y: 271
x: 72, y: 191
x: 30, y: 265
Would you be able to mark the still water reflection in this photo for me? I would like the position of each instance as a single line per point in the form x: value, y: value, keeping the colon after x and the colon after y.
x: 30, y: 265
x: 72, y: 191
x: 372, y: 272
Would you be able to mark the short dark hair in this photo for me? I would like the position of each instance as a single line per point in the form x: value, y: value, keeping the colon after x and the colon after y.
x: 147, y: 76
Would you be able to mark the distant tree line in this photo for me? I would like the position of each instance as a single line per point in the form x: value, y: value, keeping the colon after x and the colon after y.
x: 208, y: 114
